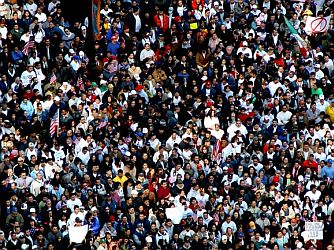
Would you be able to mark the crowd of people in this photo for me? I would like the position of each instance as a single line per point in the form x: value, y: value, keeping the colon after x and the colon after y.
x: 211, y: 106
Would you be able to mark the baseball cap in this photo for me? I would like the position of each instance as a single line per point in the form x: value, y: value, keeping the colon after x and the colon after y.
x: 240, y: 234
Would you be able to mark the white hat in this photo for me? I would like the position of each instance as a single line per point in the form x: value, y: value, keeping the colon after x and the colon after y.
x: 225, y: 168
x: 57, y: 98
x: 127, y: 153
x: 145, y: 130
x: 299, y: 245
x: 266, y: 117
x: 317, y: 65
x: 149, y: 239
x: 300, y: 90
x: 224, y: 237
x: 254, y: 6
x: 245, y: 44
x: 134, y: 192
x: 136, y: 76
x: 215, y: 3
x: 133, y: 92
x: 103, y: 82
x: 24, y: 246
x: 227, y: 183
x: 32, y: 210
x: 81, y: 53
x: 71, y: 51
x: 93, y: 209
x: 2, y: 1
x: 321, y: 97
x: 20, y: 159
x: 31, y: 144
x: 204, y: 78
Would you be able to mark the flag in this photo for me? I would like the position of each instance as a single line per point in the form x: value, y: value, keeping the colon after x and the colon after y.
x: 302, y: 44
x: 96, y: 8
x: 317, y: 24
x: 80, y: 84
x: 27, y: 46
x: 54, y: 123
x: 217, y: 149
x: 53, y: 78
x: 103, y: 123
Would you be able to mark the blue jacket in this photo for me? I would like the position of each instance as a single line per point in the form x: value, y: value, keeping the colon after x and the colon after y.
x: 113, y: 48
x: 95, y: 225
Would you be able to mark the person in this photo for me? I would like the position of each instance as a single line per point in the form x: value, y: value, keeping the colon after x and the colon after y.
x: 179, y: 125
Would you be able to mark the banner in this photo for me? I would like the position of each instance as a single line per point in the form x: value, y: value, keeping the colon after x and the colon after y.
x: 317, y: 24
x: 77, y: 234
x: 96, y: 8
x: 314, y: 231
x: 175, y: 214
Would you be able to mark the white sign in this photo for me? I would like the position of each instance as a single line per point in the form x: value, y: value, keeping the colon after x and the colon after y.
x: 77, y: 234
x: 175, y: 214
x: 314, y: 230
x: 317, y: 24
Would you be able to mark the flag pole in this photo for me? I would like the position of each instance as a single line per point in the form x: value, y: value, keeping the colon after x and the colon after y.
x: 58, y: 127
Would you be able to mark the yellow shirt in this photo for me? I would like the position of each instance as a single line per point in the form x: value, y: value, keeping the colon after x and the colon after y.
x: 120, y: 180
x: 330, y: 111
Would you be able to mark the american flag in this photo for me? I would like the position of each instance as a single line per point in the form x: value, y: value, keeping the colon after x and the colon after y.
x: 54, y: 123
x: 80, y: 84
x: 103, y: 123
x: 53, y: 78
x: 216, y: 149
x: 28, y: 46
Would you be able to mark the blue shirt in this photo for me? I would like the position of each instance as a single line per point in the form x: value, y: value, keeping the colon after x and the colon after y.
x: 328, y: 171
x: 113, y: 48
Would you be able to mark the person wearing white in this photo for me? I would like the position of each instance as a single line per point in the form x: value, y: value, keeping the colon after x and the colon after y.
x: 73, y: 201
x: 28, y: 75
x: 147, y: 52
x: 31, y: 7
x: 75, y: 214
x: 318, y: 72
x: 245, y: 50
x: 314, y: 194
x: 36, y: 185
x: 229, y: 223
x: 274, y: 85
x: 322, y: 104
x: 283, y: 116
x: 217, y: 132
x: 172, y: 140
x: 235, y: 127
x: 211, y: 120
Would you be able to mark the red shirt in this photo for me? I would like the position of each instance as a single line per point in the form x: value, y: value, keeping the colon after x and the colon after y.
x: 310, y: 164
